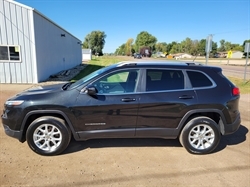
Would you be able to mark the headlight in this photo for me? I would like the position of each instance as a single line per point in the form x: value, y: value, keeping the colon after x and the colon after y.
x: 14, y: 103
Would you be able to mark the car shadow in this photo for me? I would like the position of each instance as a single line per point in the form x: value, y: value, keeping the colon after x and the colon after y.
x: 238, y: 137
x: 76, y: 146
x: 233, y: 139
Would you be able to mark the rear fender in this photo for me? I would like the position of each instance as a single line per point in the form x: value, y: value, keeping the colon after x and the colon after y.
x: 185, y: 118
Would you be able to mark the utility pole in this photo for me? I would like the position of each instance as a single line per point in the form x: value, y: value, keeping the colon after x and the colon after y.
x: 247, y: 50
x: 209, y: 43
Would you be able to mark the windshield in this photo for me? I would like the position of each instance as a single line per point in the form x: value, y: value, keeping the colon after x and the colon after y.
x: 89, y: 77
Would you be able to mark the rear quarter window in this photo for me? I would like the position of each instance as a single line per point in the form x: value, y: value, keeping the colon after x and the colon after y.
x: 198, y: 79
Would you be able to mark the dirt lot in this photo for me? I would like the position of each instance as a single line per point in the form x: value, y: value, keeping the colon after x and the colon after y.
x: 126, y: 162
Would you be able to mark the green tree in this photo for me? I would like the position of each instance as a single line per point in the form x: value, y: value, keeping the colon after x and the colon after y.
x: 169, y: 47
x: 201, y: 47
x: 121, y: 50
x: 186, y: 45
x: 95, y: 41
x: 161, y: 47
x: 128, y: 49
x: 194, y: 48
x: 144, y: 39
x: 228, y: 46
x: 222, y: 46
x: 243, y: 46
x: 214, y: 48
x: 237, y: 47
x: 175, y: 48
x: 244, y: 43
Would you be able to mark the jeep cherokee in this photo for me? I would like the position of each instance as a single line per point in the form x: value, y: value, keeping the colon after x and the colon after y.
x: 189, y: 101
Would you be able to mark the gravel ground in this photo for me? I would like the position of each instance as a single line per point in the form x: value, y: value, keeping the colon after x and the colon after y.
x: 126, y: 162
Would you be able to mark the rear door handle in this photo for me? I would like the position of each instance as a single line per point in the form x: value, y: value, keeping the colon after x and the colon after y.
x: 186, y: 97
x: 128, y: 99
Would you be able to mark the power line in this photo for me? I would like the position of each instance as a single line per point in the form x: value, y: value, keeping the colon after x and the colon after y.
x: 230, y: 31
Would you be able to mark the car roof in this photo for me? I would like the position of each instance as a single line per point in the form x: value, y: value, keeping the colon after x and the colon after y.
x: 156, y: 63
x: 162, y: 63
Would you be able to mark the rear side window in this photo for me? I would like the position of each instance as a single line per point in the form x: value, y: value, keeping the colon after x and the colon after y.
x: 198, y: 79
x: 159, y: 80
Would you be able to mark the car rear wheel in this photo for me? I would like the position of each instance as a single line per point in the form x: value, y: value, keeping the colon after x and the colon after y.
x: 200, y: 135
x: 48, y: 135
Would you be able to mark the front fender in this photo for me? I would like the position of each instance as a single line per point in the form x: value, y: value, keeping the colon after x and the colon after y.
x: 40, y: 113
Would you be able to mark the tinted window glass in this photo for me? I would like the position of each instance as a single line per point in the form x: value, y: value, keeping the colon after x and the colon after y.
x: 118, y: 82
x: 4, y: 53
x: 198, y: 79
x: 10, y: 53
x: 91, y: 75
x: 158, y: 80
x: 14, y: 53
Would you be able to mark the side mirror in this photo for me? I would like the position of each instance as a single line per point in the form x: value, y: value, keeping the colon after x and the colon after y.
x: 91, y: 90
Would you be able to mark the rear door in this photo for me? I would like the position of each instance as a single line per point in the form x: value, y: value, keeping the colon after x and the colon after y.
x: 163, y: 103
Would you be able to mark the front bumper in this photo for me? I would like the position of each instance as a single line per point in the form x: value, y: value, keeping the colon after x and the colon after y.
x: 13, y: 133
x: 231, y: 128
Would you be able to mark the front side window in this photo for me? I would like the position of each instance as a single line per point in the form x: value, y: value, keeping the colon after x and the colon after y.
x: 118, y: 82
x: 159, y: 80
x: 10, y: 53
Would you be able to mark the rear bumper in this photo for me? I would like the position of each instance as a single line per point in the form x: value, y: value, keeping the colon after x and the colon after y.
x: 231, y: 128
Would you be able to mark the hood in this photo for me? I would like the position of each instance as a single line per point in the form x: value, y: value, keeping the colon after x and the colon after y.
x: 43, y: 89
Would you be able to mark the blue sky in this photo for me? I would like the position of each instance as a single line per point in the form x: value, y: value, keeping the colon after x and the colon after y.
x: 167, y: 20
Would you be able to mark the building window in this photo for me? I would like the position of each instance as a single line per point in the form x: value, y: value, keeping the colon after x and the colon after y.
x: 10, y: 53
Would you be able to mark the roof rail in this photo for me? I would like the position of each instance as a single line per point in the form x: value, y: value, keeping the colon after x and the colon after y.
x: 126, y: 64
x: 193, y: 64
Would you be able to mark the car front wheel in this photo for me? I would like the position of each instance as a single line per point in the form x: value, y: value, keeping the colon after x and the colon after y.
x: 48, y: 135
x: 200, y: 135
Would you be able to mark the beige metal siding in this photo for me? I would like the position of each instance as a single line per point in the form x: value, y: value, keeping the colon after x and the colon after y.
x: 54, y: 52
x: 15, y: 29
x: 43, y: 51
x: 237, y: 54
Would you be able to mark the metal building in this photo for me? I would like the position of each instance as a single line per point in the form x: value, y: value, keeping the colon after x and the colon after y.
x: 86, y: 54
x: 237, y: 54
x: 32, y: 47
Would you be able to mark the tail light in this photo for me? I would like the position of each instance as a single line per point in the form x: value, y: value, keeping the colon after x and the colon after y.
x: 236, y: 91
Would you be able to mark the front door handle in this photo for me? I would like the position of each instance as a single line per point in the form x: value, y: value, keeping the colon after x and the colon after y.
x: 128, y: 99
x: 186, y: 97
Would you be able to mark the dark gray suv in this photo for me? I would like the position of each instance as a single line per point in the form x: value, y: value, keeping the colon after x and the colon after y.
x: 189, y: 101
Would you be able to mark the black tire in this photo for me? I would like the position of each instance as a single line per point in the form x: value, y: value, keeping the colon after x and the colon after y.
x: 195, y: 140
x: 48, y: 135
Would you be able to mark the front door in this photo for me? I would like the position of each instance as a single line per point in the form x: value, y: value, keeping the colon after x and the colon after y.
x: 112, y: 112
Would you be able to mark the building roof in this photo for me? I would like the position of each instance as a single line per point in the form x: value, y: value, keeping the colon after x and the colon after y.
x: 39, y: 13
x: 86, y: 51
x: 237, y: 52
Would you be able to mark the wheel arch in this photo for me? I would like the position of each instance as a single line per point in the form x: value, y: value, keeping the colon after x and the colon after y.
x: 214, y: 114
x: 31, y: 116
